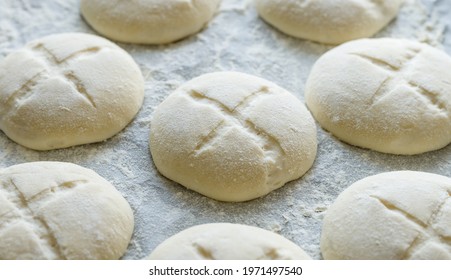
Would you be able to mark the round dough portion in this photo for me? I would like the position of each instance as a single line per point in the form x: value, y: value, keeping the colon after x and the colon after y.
x: 148, y: 21
x: 68, y: 89
x: 389, y: 95
x: 232, y: 136
x: 328, y: 21
x: 223, y: 241
x: 57, y: 210
x: 390, y: 216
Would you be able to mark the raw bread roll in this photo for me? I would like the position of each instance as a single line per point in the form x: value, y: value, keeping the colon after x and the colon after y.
x: 232, y: 136
x: 395, y: 215
x: 389, y: 95
x: 328, y: 21
x: 68, y: 89
x: 148, y: 21
x: 56, y: 210
x: 222, y: 241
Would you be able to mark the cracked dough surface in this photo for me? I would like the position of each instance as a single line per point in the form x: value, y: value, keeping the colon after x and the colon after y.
x: 148, y: 21
x: 389, y: 95
x: 232, y: 136
x: 68, y: 89
x: 328, y: 21
x: 225, y: 241
x: 57, y: 210
x: 393, y: 215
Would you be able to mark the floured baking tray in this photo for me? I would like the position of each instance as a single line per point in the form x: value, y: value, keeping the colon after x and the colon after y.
x: 236, y: 39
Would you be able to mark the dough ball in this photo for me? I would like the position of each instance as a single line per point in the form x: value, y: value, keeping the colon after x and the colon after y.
x: 389, y: 95
x: 68, y: 89
x: 148, y: 21
x: 232, y: 136
x: 328, y: 21
x: 57, y: 210
x: 222, y: 241
x: 390, y: 216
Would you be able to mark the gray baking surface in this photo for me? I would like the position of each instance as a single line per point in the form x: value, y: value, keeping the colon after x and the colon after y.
x: 236, y: 39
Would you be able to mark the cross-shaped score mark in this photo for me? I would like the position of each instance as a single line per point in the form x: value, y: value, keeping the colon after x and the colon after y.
x: 426, y: 231
x: 53, y: 68
x: 60, y: 67
x: 397, y: 77
x: 234, y: 117
x: 24, y: 211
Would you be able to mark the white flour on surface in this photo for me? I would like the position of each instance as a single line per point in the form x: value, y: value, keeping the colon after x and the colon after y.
x: 238, y: 40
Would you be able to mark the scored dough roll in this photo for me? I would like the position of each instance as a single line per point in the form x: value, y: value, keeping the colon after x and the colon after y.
x: 58, y: 210
x: 388, y: 95
x: 328, y: 21
x: 389, y: 216
x: 148, y: 21
x: 232, y: 136
x: 68, y: 89
x: 224, y: 241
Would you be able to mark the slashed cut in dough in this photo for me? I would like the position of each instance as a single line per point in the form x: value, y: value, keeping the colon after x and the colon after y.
x: 389, y: 95
x: 223, y: 241
x: 148, y: 21
x: 68, y: 89
x: 328, y: 21
x: 57, y: 210
x: 390, y: 216
x: 232, y: 136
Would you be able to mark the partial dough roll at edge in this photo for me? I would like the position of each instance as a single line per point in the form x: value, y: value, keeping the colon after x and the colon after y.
x: 60, y: 210
x: 390, y: 216
x: 225, y: 241
x: 148, y: 21
x: 328, y: 21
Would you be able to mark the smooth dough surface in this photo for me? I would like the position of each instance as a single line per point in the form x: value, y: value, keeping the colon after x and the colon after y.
x: 68, y: 89
x: 394, y: 215
x: 328, y: 21
x: 223, y: 241
x: 148, y: 21
x: 389, y: 95
x: 57, y: 210
x: 232, y: 136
